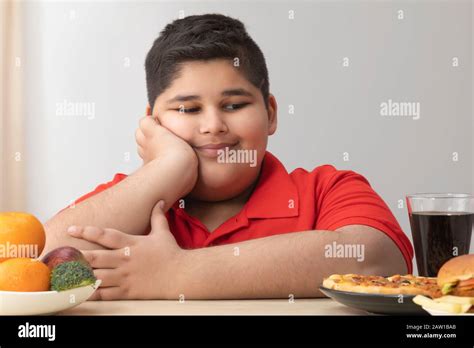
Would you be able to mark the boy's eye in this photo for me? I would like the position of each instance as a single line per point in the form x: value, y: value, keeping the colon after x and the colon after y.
x: 184, y: 110
x: 235, y: 106
x: 229, y: 107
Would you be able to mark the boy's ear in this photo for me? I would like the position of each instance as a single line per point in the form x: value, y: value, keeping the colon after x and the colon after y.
x: 148, y: 110
x: 272, y: 114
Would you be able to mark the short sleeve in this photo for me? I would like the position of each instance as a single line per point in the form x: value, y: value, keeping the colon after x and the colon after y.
x: 102, y: 187
x: 346, y: 198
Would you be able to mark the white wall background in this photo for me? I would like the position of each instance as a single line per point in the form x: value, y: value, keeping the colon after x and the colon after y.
x: 94, y: 52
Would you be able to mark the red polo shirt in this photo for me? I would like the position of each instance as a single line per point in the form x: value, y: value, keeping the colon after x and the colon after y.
x: 323, y: 199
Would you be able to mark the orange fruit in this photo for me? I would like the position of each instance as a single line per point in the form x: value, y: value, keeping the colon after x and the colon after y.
x: 24, y: 274
x: 21, y: 235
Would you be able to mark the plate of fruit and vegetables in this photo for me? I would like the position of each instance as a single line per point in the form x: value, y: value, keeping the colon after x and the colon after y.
x: 62, y: 279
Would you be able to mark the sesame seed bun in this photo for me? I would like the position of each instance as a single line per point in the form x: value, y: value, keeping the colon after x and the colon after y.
x: 456, y: 269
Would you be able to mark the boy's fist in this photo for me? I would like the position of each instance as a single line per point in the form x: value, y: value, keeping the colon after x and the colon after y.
x: 154, y: 141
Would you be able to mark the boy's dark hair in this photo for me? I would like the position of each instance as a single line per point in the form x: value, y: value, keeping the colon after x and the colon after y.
x: 203, y: 37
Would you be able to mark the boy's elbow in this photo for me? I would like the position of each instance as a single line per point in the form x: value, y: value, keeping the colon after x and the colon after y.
x: 57, y: 236
x: 383, y: 257
x: 379, y: 253
x: 52, y: 241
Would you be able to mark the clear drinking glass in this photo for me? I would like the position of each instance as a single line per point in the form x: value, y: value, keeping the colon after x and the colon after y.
x: 441, y: 227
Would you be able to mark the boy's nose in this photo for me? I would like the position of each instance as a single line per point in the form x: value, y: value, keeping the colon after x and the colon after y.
x: 212, y: 122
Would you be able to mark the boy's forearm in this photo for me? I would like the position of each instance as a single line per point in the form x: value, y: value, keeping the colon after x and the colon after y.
x: 279, y: 266
x: 125, y: 206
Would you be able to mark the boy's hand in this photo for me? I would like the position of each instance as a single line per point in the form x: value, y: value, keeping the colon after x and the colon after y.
x: 134, y: 267
x: 154, y: 141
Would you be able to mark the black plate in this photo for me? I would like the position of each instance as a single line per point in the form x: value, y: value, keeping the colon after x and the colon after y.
x: 376, y: 303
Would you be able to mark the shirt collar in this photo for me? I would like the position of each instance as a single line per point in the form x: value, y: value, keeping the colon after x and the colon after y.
x: 275, y: 194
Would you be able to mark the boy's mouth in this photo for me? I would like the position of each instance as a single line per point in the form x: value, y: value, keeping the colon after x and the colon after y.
x: 213, y: 149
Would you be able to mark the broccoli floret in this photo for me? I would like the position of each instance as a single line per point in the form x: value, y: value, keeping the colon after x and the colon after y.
x: 70, y: 275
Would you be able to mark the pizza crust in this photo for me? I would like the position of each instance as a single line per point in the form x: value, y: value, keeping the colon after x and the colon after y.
x: 394, y: 285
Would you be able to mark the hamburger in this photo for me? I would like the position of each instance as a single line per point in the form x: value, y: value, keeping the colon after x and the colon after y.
x: 456, y: 277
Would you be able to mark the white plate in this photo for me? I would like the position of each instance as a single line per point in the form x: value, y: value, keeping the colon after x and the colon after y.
x: 433, y: 312
x: 43, y: 302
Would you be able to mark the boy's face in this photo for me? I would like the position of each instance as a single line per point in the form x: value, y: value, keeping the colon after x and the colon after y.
x: 210, y: 116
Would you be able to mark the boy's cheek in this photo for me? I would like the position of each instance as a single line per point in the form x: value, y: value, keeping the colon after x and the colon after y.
x: 178, y: 128
x: 252, y: 124
x: 253, y: 136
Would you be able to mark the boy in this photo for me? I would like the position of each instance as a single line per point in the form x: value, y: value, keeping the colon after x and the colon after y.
x: 227, y: 220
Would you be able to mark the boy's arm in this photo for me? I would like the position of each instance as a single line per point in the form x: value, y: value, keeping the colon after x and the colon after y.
x: 127, y: 205
x: 281, y: 265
